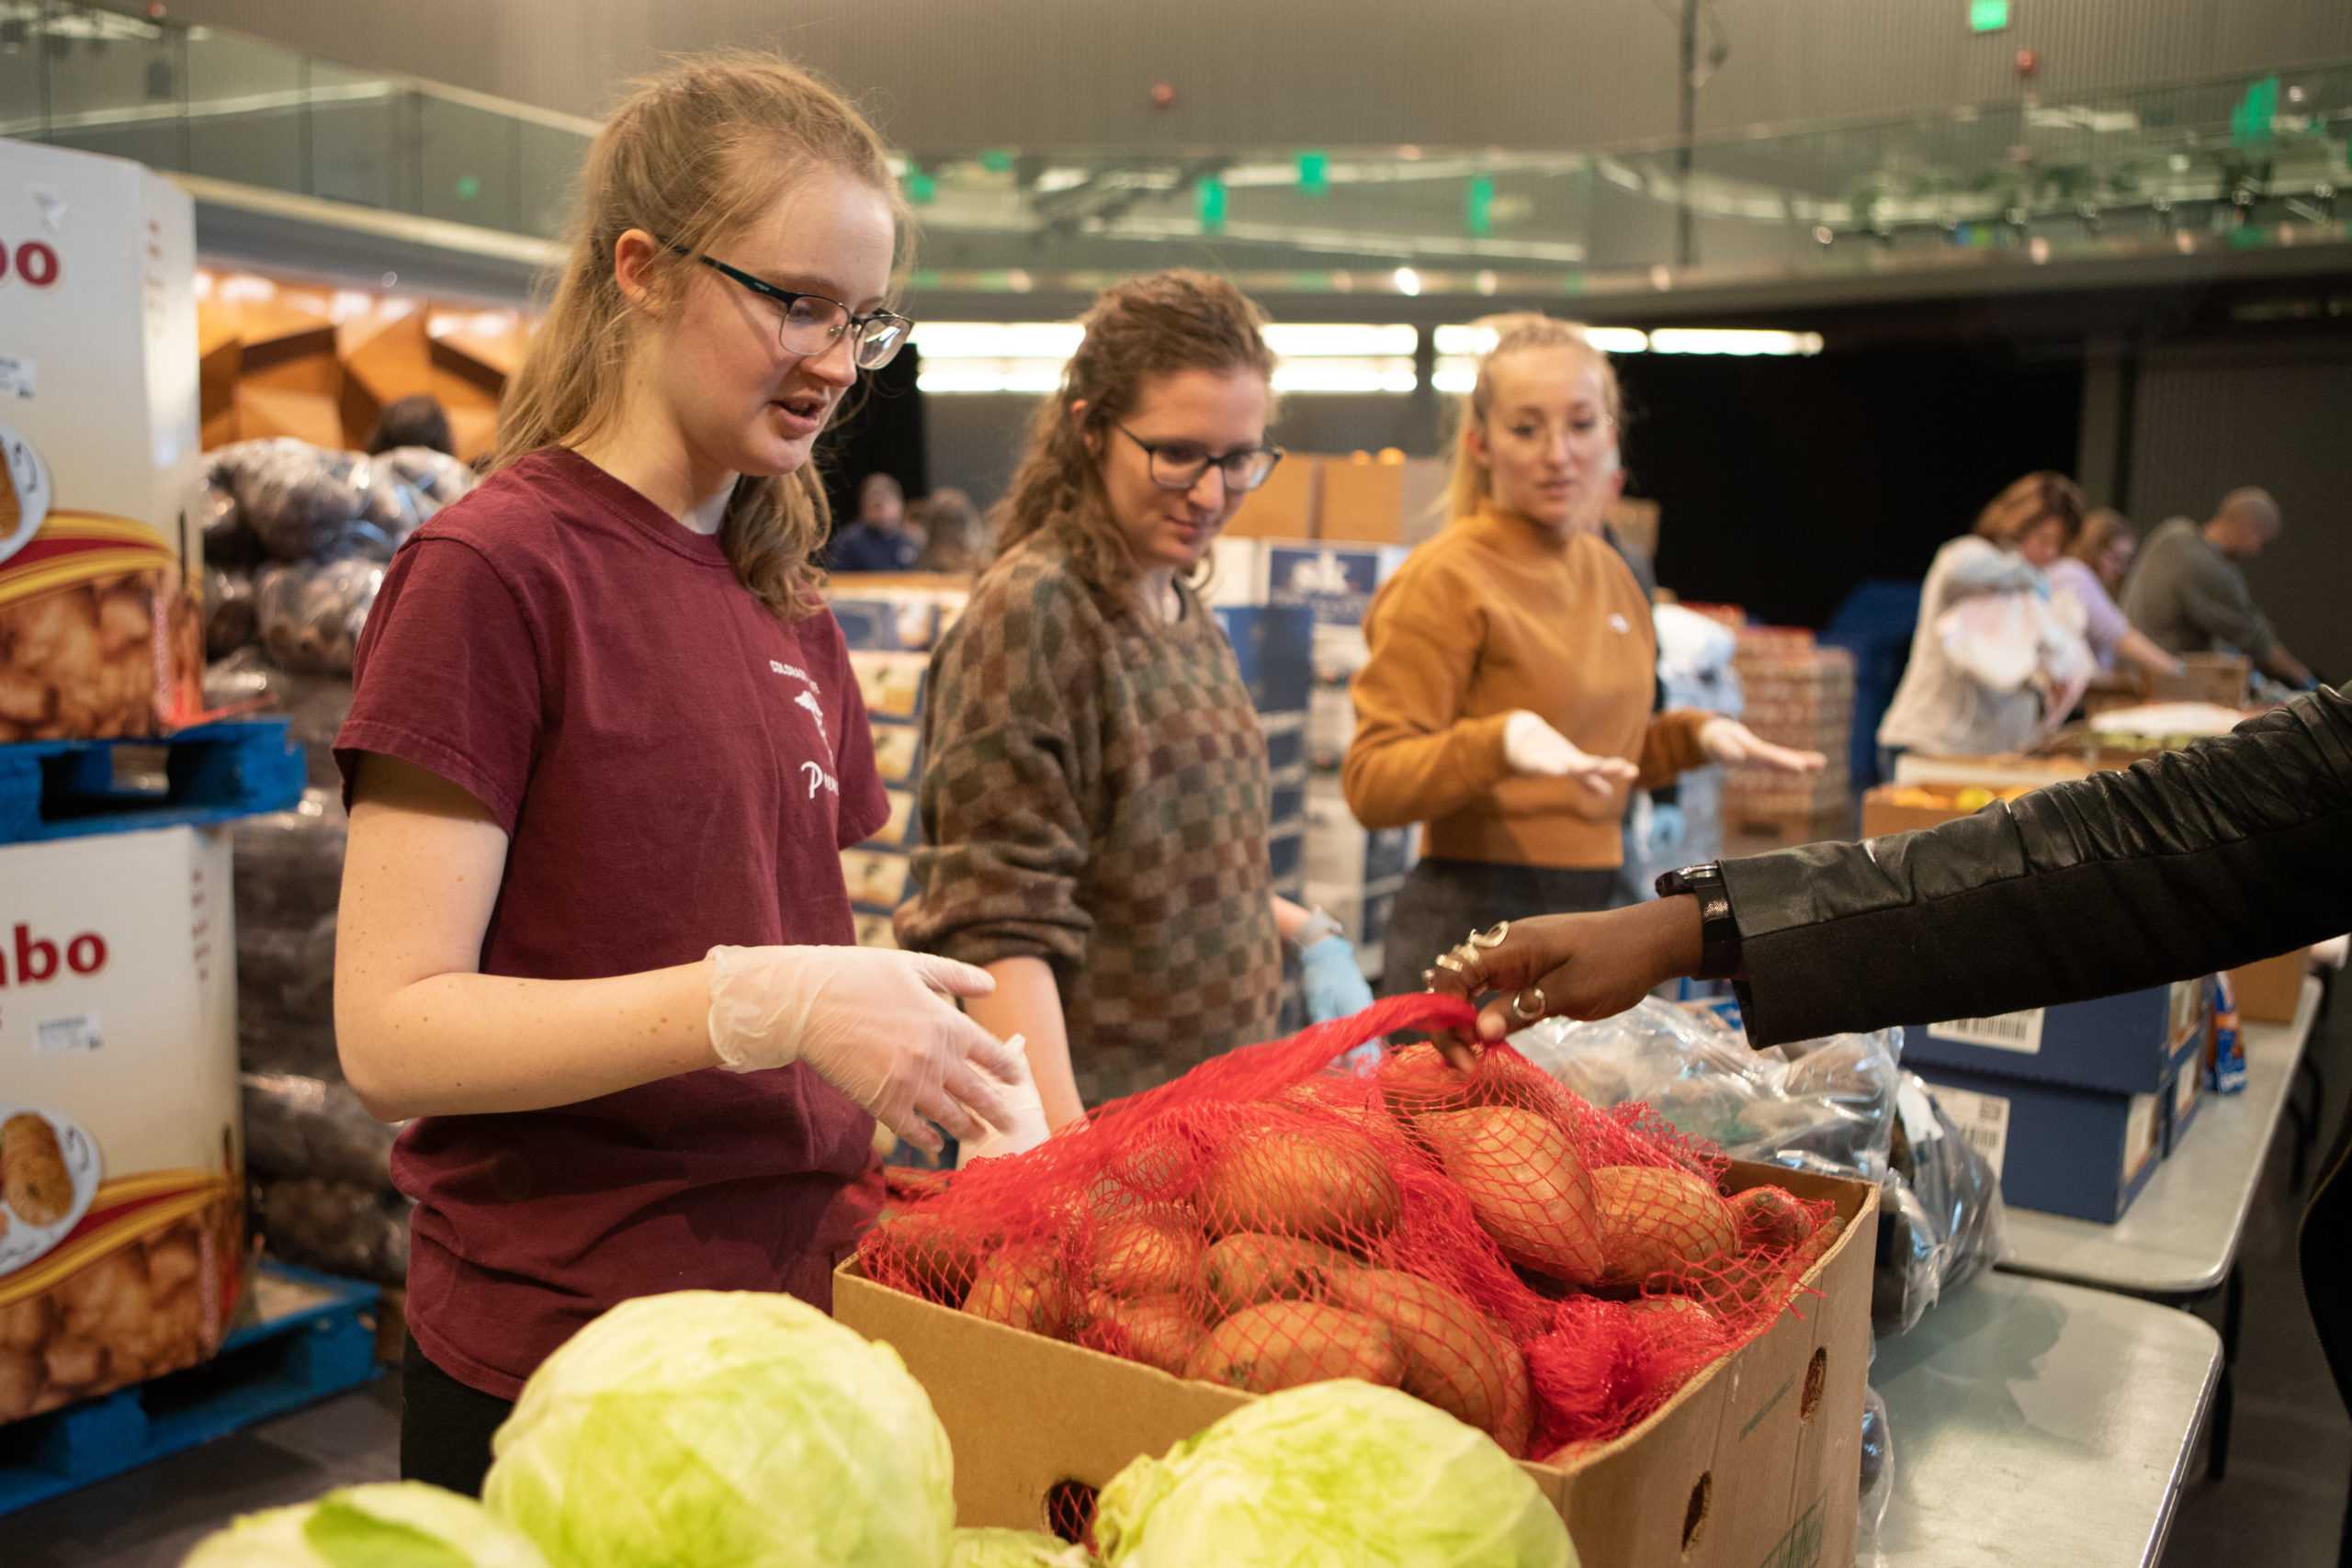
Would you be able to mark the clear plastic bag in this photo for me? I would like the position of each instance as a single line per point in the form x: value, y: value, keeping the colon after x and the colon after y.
x: 2002, y: 642
x: 214, y: 510
x: 297, y: 1124
x: 343, y: 1227
x: 435, y: 478
x: 307, y: 503
x: 231, y: 621
x: 311, y: 615
x: 288, y: 973
x: 1941, y: 1220
x: 316, y: 704
x: 1824, y: 1106
x: 288, y: 879
x: 1878, y: 1477
x: 290, y: 864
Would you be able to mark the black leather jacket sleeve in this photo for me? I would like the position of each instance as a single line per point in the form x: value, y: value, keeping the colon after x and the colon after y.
x: 2201, y: 860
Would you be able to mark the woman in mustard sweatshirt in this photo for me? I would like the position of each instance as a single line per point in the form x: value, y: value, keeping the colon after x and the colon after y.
x: 1508, y: 700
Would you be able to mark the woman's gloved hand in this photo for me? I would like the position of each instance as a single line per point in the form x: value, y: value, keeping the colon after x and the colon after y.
x: 1027, y: 1128
x: 1335, y: 985
x: 881, y: 1026
x: 1728, y: 740
x: 1533, y: 746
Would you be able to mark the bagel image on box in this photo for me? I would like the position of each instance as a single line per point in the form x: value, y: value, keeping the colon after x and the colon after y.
x: 121, y: 1159
x: 99, y: 635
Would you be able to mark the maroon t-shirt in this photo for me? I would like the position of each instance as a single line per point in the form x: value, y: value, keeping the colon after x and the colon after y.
x: 675, y: 767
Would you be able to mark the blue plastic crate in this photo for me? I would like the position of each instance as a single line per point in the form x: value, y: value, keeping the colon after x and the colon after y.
x: 213, y: 773
x: 315, y: 1337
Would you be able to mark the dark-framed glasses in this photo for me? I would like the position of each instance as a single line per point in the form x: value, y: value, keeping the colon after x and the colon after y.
x: 1179, y: 464
x: 809, y: 325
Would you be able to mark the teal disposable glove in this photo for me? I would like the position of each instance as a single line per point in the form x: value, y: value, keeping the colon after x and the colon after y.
x: 1335, y: 987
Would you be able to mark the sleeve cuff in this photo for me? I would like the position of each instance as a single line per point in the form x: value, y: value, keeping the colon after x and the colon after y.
x: 435, y: 757
x: 1483, y: 745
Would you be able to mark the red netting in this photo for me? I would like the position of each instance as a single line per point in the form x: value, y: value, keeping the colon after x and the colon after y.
x: 1489, y: 1242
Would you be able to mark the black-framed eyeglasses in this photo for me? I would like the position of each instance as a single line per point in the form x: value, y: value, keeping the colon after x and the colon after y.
x: 1179, y: 464
x: 809, y: 325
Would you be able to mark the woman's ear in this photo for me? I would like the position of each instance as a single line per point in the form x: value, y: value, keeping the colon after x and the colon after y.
x: 634, y: 256
x: 1473, y: 441
x: 1093, y: 438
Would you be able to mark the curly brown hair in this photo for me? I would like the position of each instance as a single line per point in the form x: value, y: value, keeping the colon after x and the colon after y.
x: 1150, y: 326
x: 695, y: 153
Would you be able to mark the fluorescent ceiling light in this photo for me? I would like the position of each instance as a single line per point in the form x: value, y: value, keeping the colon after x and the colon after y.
x: 1014, y: 377
x: 1409, y: 282
x: 1383, y: 375
x: 1319, y: 340
x: 1472, y: 340
x: 996, y: 339
x: 1732, y: 340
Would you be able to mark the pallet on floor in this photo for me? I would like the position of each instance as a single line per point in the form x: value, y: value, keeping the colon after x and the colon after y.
x: 308, y: 1337
x: 211, y: 774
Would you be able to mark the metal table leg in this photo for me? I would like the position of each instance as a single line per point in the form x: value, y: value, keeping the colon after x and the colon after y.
x: 2217, y: 1454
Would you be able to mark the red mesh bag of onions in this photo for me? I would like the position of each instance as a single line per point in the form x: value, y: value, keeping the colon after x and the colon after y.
x: 1489, y: 1242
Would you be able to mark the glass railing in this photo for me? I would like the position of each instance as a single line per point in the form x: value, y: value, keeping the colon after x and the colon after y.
x: 2249, y: 162
x: 198, y: 101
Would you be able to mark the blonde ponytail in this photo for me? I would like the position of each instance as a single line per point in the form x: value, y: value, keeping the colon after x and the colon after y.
x: 1466, y: 486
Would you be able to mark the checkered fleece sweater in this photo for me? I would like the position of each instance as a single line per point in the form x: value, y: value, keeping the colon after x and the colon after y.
x: 1096, y: 795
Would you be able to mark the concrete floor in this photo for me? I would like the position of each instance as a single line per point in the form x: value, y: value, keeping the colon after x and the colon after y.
x: 2280, y: 1507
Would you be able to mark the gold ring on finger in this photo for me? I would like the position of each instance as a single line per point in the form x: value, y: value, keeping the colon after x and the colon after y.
x: 1492, y: 937
x: 1521, y: 1010
x: 1472, y: 964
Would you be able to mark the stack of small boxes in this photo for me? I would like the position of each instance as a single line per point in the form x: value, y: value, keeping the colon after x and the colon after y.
x: 1274, y: 644
x: 2074, y: 1106
x: 1800, y: 695
x: 890, y: 630
x: 1350, y: 871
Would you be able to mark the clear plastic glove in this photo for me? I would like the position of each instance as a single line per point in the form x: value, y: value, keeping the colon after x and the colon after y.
x: 1335, y: 985
x: 1666, y: 830
x: 1027, y: 1128
x: 879, y: 1025
x: 1728, y: 740
x: 1531, y: 746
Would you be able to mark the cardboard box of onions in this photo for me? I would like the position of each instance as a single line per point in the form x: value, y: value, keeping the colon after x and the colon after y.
x: 1755, y: 1459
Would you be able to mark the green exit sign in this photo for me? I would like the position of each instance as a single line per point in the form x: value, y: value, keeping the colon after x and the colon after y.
x: 1987, y: 16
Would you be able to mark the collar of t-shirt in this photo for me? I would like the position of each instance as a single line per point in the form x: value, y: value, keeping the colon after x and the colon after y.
x: 633, y: 507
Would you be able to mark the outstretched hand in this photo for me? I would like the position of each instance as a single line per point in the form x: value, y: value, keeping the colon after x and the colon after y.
x: 1580, y: 967
x: 1728, y: 740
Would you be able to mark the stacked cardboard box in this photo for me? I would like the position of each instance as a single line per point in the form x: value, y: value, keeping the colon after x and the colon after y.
x: 1350, y: 871
x: 890, y: 627
x: 1795, y: 693
x: 2073, y: 1105
x: 1274, y: 644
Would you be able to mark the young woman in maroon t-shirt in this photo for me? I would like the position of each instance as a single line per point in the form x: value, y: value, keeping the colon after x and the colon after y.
x: 602, y: 723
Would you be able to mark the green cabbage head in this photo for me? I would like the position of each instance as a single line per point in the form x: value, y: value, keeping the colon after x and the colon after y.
x: 709, y: 1427
x: 1330, y: 1475
x: 1014, y: 1548
x: 388, y: 1523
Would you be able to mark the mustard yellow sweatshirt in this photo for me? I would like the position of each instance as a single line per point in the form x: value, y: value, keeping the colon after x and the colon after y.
x: 1497, y: 613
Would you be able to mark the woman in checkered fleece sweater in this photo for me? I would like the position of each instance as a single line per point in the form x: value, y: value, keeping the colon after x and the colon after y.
x: 1095, y: 799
